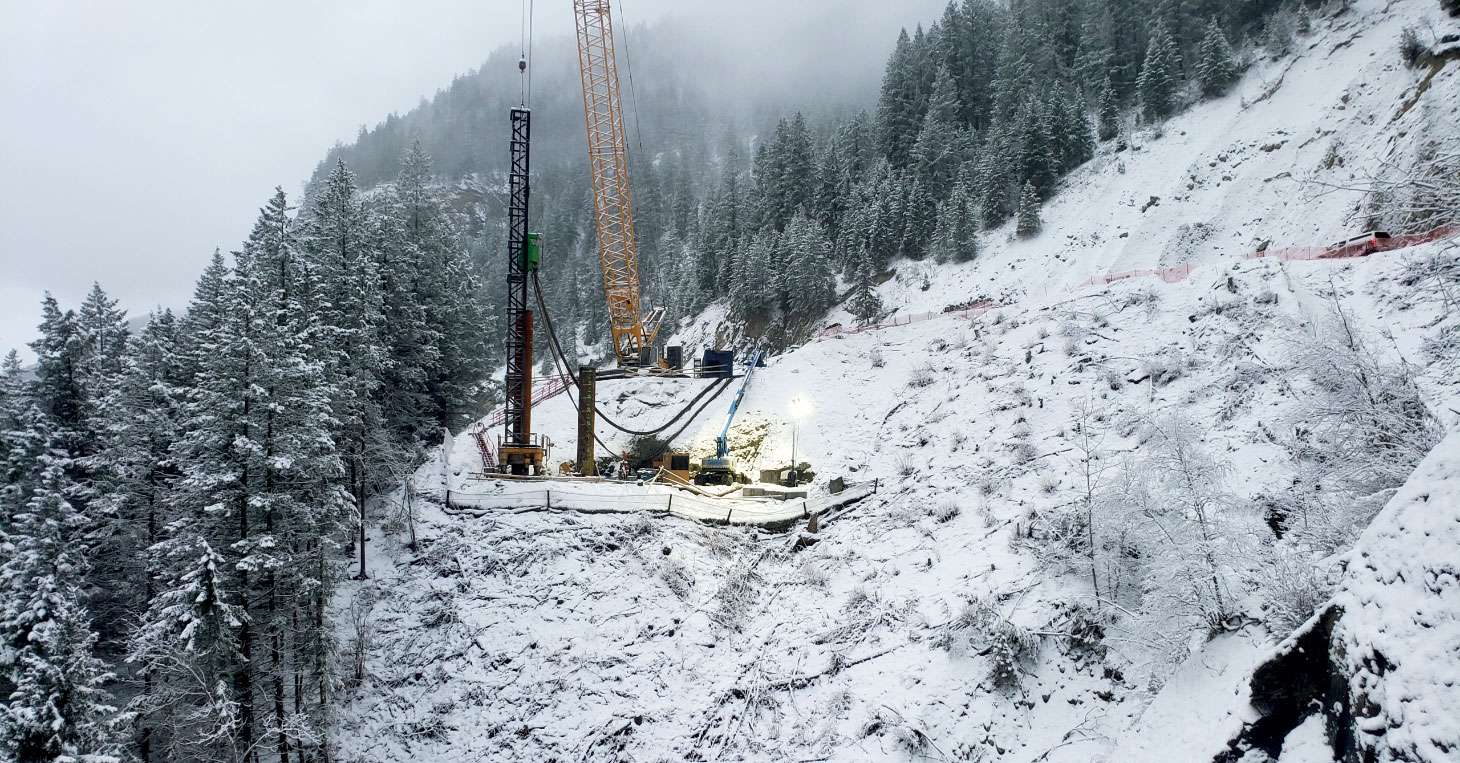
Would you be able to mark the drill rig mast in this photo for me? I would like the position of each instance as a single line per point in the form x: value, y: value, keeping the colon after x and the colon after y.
x: 520, y: 451
x: 618, y: 246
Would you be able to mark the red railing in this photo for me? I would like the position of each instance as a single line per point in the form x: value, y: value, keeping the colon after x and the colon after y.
x: 545, y: 390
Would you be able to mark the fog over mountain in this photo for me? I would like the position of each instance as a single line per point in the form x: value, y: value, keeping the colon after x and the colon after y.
x: 149, y: 131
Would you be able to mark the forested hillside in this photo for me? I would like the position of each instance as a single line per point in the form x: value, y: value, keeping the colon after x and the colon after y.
x: 179, y: 504
x: 978, y: 117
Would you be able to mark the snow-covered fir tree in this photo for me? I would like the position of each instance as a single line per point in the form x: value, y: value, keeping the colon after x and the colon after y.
x: 1108, y: 111
x: 57, y: 706
x: 1029, y: 223
x: 864, y: 304
x: 1216, y: 67
x: 1160, y: 75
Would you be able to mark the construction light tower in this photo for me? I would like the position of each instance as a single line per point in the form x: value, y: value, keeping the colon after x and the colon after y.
x: 613, y: 208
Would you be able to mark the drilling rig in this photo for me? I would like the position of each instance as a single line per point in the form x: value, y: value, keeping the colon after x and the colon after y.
x: 633, y: 331
x: 520, y: 451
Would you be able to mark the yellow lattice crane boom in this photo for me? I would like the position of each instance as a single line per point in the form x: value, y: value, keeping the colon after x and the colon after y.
x: 613, y: 206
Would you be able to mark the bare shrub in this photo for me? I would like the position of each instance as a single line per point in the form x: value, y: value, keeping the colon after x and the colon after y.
x: 922, y: 377
x: 640, y: 526
x: 1048, y: 484
x: 959, y: 439
x: 1145, y: 296
x: 362, y: 630
x: 1023, y: 452
x: 1083, y: 627
x: 1292, y: 588
x: 1411, y: 50
x: 946, y: 511
x: 1165, y: 368
x: 814, y: 573
x: 440, y: 609
x: 737, y: 594
x: 982, y: 628
x: 676, y: 578
x: 874, y: 356
x: 906, y: 467
x: 1367, y: 419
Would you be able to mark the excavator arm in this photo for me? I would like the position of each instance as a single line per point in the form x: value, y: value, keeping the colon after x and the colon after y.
x: 613, y: 208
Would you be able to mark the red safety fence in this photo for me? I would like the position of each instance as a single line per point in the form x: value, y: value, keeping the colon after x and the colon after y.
x: 969, y: 311
x: 1169, y: 275
x: 1357, y: 249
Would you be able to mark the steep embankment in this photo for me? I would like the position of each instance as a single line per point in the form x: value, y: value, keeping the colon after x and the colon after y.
x: 928, y: 622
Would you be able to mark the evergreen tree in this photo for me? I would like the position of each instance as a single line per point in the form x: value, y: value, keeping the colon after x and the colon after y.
x: 348, y: 301
x: 1074, y: 136
x: 102, y: 329
x: 57, y: 708
x: 920, y: 218
x: 863, y: 303
x: 217, y: 452
x: 202, y: 320
x: 1038, y: 159
x: 411, y: 345
x: 722, y: 233
x: 1216, y: 66
x: 754, y: 293
x: 133, y: 474
x: 793, y: 185
x: 58, y: 376
x: 996, y: 177
x: 940, y: 146
x: 186, y: 646
x: 1160, y: 75
x: 808, y: 284
x: 1097, y: 49
x: 956, y: 239
x: 1109, y: 111
x: 898, y: 115
x: 1029, y: 221
x: 14, y: 402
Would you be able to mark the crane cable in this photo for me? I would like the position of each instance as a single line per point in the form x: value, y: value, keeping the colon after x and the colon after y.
x: 567, y: 370
x: 633, y: 92
x: 524, y: 64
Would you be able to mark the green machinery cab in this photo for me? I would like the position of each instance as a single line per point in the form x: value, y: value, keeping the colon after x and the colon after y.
x: 532, y: 252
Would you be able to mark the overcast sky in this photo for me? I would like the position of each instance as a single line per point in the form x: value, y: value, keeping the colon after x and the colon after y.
x: 138, y: 136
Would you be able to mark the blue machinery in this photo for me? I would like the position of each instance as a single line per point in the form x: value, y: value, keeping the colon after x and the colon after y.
x: 720, y: 470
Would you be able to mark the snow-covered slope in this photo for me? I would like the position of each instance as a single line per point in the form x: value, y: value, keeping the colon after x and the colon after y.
x: 526, y: 634
x: 1215, y: 182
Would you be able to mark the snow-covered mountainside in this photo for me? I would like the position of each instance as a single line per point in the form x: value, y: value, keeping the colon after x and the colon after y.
x: 953, y: 615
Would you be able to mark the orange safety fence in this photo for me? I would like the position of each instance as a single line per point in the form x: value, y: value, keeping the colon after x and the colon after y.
x: 1336, y: 252
x: 1169, y: 275
x: 975, y: 309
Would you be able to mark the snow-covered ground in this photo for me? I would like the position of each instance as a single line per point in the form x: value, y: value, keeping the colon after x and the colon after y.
x: 525, y: 634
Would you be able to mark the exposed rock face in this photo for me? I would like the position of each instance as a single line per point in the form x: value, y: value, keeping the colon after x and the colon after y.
x: 1382, y: 661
